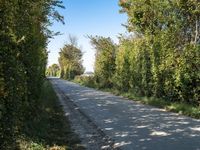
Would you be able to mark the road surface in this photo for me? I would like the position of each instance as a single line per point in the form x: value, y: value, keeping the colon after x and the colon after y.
x: 105, y: 121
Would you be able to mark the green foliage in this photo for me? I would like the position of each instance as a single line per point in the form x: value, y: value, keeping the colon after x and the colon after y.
x: 49, y: 129
x: 133, y: 67
x: 70, y: 60
x: 181, y: 108
x: 122, y: 71
x: 23, y: 41
x: 163, y: 58
x: 88, y: 81
x: 53, y: 71
x: 105, y: 60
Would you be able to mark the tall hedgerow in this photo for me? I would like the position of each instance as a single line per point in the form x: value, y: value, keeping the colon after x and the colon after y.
x: 23, y: 42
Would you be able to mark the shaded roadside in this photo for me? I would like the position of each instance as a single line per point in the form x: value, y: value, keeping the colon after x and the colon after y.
x: 50, y: 127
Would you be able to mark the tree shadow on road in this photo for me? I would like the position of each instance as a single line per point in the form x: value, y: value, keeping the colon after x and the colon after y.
x: 136, y: 126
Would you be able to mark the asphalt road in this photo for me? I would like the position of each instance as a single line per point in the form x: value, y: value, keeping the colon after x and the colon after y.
x: 133, y: 126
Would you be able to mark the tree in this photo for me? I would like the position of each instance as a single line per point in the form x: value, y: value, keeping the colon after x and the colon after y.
x: 104, y: 61
x: 122, y: 71
x: 70, y: 60
x: 171, y: 43
x: 53, y: 70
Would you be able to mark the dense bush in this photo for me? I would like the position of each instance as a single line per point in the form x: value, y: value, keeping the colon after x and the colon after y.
x: 161, y: 59
x: 23, y: 41
x: 86, y: 81
x: 105, y: 61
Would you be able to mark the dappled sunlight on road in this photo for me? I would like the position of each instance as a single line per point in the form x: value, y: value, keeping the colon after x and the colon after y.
x: 120, y: 144
x: 159, y: 133
x: 196, y: 129
x: 132, y: 125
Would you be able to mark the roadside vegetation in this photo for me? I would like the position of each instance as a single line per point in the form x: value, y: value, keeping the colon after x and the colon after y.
x: 158, y: 63
x: 49, y: 129
x: 177, y: 107
x: 24, y: 37
x: 70, y: 59
x: 53, y: 71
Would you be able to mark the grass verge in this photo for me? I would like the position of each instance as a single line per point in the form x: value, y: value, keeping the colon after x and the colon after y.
x: 177, y: 107
x: 50, y: 129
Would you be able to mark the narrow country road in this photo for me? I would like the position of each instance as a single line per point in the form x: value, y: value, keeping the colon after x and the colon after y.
x: 105, y: 121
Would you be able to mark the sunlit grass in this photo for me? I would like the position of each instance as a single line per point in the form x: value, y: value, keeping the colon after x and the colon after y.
x: 178, y: 107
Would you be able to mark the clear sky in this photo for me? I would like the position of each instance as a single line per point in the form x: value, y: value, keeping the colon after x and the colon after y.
x: 87, y: 17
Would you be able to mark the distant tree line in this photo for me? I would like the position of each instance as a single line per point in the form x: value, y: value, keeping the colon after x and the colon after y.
x: 53, y: 71
x: 161, y: 58
x: 23, y: 55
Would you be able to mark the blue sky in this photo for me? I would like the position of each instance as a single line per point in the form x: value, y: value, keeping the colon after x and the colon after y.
x: 87, y: 17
